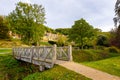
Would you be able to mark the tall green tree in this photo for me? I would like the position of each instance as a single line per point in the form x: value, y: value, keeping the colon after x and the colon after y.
x: 80, y: 31
x: 27, y: 20
x: 4, y: 30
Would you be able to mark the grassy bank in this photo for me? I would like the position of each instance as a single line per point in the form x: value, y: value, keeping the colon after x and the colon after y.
x: 11, y: 69
x: 5, y: 50
x: 88, y: 55
x: 16, y: 42
x: 56, y: 73
x: 110, y: 65
x: 104, y: 60
x: 10, y: 43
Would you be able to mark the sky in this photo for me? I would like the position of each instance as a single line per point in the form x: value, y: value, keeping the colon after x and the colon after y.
x: 63, y: 13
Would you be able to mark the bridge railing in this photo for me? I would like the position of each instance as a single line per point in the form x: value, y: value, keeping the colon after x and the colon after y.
x: 64, y: 53
x: 43, y: 56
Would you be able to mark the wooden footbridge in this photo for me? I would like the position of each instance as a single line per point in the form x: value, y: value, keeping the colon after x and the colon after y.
x: 44, y: 57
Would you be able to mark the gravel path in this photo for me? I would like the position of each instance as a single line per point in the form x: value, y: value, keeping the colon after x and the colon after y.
x: 87, y: 71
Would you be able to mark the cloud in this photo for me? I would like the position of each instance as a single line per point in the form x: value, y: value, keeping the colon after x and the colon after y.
x: 7, y: 6
x: 63, y: 13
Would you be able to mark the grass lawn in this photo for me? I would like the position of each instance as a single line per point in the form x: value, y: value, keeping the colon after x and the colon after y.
x: 110, y: 65
x: 100, y: 59
x: 11, y: 69
x: 5, y: 50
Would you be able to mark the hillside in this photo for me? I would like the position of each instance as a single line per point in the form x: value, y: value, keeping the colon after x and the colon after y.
x: 10, y: 43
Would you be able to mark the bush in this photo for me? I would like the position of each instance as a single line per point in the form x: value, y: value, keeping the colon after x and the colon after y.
x: 102, y: 41
x: 113, y: 49
x: 100, y: 47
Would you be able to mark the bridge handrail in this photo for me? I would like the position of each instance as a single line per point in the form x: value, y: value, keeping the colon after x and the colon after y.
x: 43, y: 56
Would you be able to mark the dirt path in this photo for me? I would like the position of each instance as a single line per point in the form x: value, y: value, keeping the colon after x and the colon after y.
x: 87, y: 71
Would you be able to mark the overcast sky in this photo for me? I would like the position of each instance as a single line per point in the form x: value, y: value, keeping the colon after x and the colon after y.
x: 63, y: 13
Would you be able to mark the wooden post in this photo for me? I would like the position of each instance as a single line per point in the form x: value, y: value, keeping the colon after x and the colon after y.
x: 54, y: 54
x: 13, y: 52
x: 70, y: 53
x: 19, y: 52
x: 31, y: 54
x: 41, y: 67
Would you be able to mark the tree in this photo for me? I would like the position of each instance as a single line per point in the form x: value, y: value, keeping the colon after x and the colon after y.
x: 27, y: 20
x: 62, y: 40
x: 49, y: 30
x: 102, y: 41
x: 4, y: 30
x: 64, y: 31
x: 115, y: 33
x: 115, y: 37
x: 80, y: 31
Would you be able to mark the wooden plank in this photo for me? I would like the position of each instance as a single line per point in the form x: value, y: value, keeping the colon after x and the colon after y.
x: 70, y: 53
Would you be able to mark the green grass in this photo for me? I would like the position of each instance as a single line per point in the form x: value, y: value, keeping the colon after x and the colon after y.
x: 56, y: 73
x: 103, y: 60
x: 12, y: 69
x: 110, y: 65
x: 5, y: 50
x: 92, y: 55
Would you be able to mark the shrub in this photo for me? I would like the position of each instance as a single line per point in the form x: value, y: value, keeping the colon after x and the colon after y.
x: 102, y: 41
x: 100, y: 47
x: 113, y: 49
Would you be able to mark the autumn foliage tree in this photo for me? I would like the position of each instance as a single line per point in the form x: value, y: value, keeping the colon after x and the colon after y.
x: 115, y: 33
x: 115, y: 37
x: 4, y: 30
